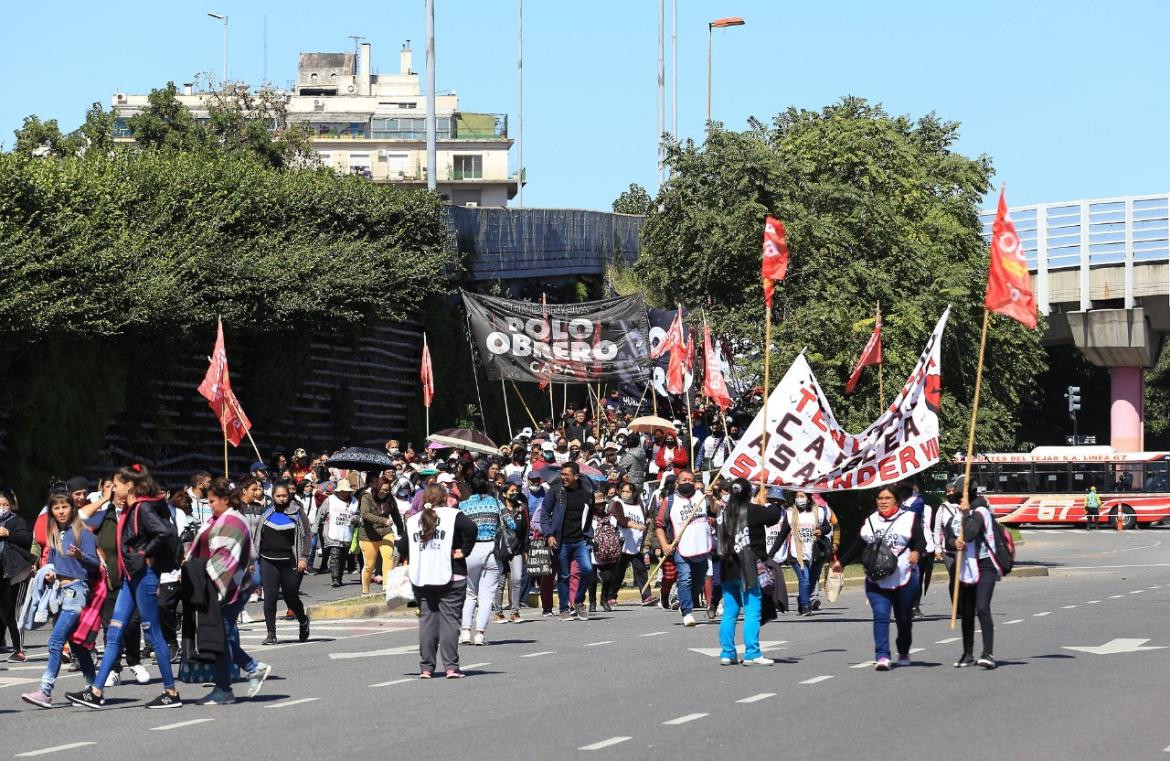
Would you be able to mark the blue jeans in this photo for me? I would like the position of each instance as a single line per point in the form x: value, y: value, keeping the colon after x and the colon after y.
x: 898, y: 602
x: 806, y: 577
x: 566, y: 554
x: 73, y: 599
x: 223, y: 662
x: 691, y: 571
x: 140, y: 592
x: 752, y: 602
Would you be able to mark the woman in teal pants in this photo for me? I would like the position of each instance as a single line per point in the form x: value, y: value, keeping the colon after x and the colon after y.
x: 741, y: 551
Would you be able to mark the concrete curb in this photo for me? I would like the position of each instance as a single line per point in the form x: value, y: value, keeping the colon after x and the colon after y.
x: 374, y: 606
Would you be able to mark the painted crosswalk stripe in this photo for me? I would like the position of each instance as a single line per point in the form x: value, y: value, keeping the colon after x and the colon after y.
x: 1014, y: 621
x: 817, y: 679
x: 598, y: 644
x: 1042, y: 615
x: 190, y: 723
x: 604, y: 743
x: 54, y: 749
x: 542, y: 652
x: 948, y: 640
x: 393, y: 682
x: 288, y: 703
x: 684, y: 719
x: 651, y: 634
x: 1067, y: 607
x: 757, y: 697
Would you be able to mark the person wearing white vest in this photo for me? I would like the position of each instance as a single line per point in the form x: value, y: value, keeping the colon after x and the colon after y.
x: 901, y: 531
x: 340, y: 513
x: 691, y: 534
x: 978, y: 574
x: 438, y: 541
x: 946, y: 514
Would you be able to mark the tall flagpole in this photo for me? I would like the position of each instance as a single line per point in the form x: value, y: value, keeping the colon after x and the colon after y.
x: 225, y: 453
x: 964, y: 500
x: 767, y: 387
x: 687, y: 392
x: 881, y: 391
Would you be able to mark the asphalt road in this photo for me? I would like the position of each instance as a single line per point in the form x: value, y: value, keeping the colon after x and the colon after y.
x: 636, y: 684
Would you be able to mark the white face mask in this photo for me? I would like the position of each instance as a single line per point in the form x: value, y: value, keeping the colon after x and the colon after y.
x: 801, y: 502
x: 4, y: 510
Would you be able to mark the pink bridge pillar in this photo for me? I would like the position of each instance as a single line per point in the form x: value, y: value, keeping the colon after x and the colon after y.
x: 1127, y: 411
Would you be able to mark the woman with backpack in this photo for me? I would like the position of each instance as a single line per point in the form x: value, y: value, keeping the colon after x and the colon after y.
x: 147, y: 545
x: 607, y: 555
x: 483, y: 568
x: 516, y: 506
x: 978, y: 573
x: 890, y: 543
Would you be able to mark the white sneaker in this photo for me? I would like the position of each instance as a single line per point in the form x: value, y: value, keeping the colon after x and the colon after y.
x: 688, y: 620
x: 761, y: 661
x: 114, y: 679
x: 141, y: 675
x: 478, y: 639
x: 465, y: 636
x: 245, y: 618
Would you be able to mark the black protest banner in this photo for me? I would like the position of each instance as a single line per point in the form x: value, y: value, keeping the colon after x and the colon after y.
x: 561, y: 343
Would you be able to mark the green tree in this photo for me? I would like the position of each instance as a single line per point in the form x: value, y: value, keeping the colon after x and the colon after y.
x: 878, y: 209
x: 634, y: 200
x: 167, y: 123
x: 36, y: 138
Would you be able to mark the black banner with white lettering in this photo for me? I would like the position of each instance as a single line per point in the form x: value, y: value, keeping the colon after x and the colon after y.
x: 561, y: 343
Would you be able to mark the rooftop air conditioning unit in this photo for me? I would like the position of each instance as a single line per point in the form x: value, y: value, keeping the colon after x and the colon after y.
x: 472, y: 204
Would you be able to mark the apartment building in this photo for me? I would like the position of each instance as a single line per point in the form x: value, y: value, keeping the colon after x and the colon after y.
x: 374, y: 125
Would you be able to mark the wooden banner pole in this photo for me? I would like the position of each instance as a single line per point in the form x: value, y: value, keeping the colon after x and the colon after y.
x: 225, y: 454
x: 535, y: 425
x: 964, y: 500
x: 767, y: 389
x: 881, y: 390
x: 507, y: 410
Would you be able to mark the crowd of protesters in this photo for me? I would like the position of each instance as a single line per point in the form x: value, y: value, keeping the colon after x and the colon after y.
x: 567, y: 510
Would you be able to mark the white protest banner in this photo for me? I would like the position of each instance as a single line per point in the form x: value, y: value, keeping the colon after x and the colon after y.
x: 809, y: 450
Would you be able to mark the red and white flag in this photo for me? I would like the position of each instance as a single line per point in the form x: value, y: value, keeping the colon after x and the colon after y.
x: 714, y: 387
x: 1009, y: 285
x: 775, y: 264
x: 217, y: 389
x: 674, y: 337
x: 681, y: 365
x: 870, y: 355
x: 426, y: 375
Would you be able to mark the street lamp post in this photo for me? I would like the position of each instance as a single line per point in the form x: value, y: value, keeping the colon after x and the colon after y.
x: 223, y: 17
x: 719, y: 23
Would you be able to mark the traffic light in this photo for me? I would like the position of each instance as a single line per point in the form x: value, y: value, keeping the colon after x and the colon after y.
x: 1074, y: 399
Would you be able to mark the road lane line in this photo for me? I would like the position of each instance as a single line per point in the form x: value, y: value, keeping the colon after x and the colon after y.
x: 54, y: 749
x: 1115, y: 597
x: 817, y: 679
x: 542, y: 652
x: 1137, y: 591
x: 192, y: 722
x: 1067, y: 607
x: 948, y: 640
x: 651, y: 634
x: 475, y: 665
x: 598, y: 644
x: 684, y: 719
x: 604, y: 743
x: 396, y: 681
x: 1092, y: 602
x: 288, y: 703
x: 1042, y: 615
x: 862, y: 665
x: 1014, y: 621
x: 914, y: 650
x: 757, y: 697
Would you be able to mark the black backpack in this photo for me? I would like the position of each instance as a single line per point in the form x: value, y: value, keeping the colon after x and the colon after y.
x: 877, y: 558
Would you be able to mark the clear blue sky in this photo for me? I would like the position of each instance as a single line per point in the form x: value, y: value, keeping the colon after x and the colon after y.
x: 1069, y: 98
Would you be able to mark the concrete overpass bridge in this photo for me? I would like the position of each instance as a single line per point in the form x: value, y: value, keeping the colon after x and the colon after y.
x: 1101, y: 275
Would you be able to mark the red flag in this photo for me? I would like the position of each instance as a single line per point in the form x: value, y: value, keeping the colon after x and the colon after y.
x: 714, y: 386
x: 217, y: 389
x: 681, y: 362
x: 674, y: 336
x: 775, y: 265
x: 1009, y: 286
x: 426, y: 375
x: 870, y: 355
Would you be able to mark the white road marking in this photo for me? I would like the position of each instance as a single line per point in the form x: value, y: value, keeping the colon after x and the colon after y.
x: 542, y: 652
x: 684, y: 719
x: 714, y: 652
x: 817, y: 679
x: 1042, y: 615
x: 1092, y: 602
x: 1067, y: 607
x: 396, y: 681
x: 54, y: 749
x: 1014, y: 621
x: 405, y: 650
x: 1156, y: 586
x: 1117, y: 646
x: 1115, y: 597
x: 862, y: 665
x: 757, y: 697
x: 1137, y: 591
x: 288, y: 703
x: 604, y: 743
x: 598, y: 644
x: 192, y: 722
x: 475, y: 665
x: 914, y: 650
x: 948, y: 640
x: 651, y: 634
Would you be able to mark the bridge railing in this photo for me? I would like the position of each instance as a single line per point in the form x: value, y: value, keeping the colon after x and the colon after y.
x: 1084, y: 234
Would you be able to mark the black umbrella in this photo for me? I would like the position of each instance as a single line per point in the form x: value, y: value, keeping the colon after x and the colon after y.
x: 360, y: 458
